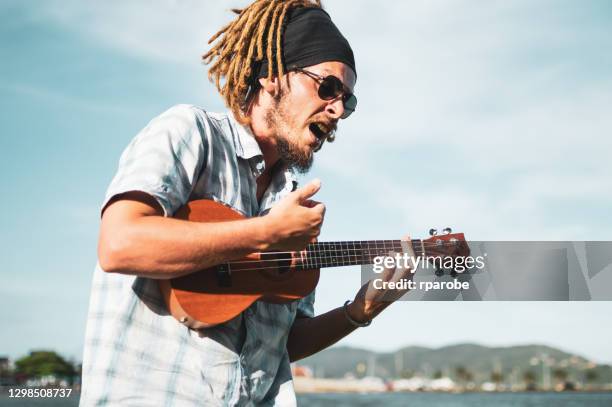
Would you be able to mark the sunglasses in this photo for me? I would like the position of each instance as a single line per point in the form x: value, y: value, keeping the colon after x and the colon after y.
x: 331, y: 88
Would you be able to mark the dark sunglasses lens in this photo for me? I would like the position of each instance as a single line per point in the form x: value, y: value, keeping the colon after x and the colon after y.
x: 330, y: 88
x: 350, y: 103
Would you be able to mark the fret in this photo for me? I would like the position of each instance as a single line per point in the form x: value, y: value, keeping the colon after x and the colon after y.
x: 333, y: 254
x: 361, y: 250
x: 336, y: 253
x: 353, y: 251
x: 313, y: 256
x: 348, y: 253
x: 350, y: 257
x: 310, y: 256
x: 351, y: 254
x: 322, y: 257
x: 369, y: 252
x: 345, y: 254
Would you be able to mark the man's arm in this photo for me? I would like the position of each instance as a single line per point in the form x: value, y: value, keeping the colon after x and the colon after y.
x: 136, y: 239
x: 311, y: 335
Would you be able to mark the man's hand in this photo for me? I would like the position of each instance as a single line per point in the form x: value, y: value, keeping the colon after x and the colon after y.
x: 311, y: 335
x: 296, y: 220
x: 369, y: 301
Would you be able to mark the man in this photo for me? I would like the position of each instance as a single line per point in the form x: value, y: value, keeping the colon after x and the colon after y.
x: 288, y: 77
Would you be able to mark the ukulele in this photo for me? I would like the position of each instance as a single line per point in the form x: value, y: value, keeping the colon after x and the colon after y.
x: 217, y: 294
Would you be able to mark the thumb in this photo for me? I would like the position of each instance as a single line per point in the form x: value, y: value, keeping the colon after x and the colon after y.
x: 308, y: 190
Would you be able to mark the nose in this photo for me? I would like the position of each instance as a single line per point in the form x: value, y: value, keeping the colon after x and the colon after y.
x: 335, y: 108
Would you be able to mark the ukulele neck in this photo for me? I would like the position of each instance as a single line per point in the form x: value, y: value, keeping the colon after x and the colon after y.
x: 352, y: 253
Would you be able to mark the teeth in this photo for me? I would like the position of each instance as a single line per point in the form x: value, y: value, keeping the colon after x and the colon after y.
x: 323, y: 129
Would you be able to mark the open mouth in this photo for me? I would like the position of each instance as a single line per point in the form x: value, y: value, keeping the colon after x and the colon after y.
x: 320, y: 130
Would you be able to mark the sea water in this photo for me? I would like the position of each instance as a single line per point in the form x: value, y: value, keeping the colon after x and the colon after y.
x: 399, y: 400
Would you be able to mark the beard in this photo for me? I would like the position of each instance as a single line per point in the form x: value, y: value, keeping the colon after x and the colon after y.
x: 293, y: 157
x: 284, y: 127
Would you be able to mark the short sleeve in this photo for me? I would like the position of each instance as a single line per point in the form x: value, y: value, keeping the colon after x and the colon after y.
x: 305, y: 306
x: 164, y: 159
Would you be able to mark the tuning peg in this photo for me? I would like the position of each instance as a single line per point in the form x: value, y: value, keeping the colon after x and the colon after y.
x: 433, y: 232
x: 447, y: 231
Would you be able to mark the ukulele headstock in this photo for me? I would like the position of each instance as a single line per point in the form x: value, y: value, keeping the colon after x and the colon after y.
x: 445, y: 245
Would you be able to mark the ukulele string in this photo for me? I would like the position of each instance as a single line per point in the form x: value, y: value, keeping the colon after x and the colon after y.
x: 330, y: 249
x: 333, y: 252
x: 304, y: 262
x: 368, y: 246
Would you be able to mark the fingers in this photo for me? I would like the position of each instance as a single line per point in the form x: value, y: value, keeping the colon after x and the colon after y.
x: 316, y: 206
x: 400, y: 271
x: 408, y: 246
x: 388, y: 272
x: 320, y: 208
x: 309, y: 203
x: 307, y: 190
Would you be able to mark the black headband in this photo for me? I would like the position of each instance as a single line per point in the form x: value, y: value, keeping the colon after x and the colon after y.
x: 310, y: 38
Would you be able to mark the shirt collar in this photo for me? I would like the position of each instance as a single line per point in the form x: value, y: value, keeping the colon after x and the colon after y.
x: 244, y: 142
x: 247, y: 147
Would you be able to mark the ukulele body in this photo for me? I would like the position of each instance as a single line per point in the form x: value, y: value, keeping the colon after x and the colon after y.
x: 215, y: 295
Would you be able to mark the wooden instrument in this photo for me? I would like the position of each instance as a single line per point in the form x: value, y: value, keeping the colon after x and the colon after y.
x: 220, y: 293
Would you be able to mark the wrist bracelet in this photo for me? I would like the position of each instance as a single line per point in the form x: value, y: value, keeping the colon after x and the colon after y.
x: 351, y: 320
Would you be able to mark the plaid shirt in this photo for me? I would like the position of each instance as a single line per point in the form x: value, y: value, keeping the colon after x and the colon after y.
x: 135, y: 352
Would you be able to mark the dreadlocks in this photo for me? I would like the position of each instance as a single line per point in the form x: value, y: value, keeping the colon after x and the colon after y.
x: 242, y: 43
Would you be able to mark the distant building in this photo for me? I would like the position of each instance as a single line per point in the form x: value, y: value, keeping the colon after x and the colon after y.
x: 6, y: 378
x: 301, y: 371
x: 5, y: 363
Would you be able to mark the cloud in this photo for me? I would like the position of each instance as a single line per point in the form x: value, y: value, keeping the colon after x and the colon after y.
x: 54, y: 97
x: 166, y: 31
x: 492, y: 116
x: 501, y: 108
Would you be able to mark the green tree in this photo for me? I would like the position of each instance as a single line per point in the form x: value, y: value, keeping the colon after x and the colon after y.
x: 591, y: 376
x: 560, y: 375
x: 44, y: 363
x: 529, y: 377
x: 407, y: 374
x: 463, y: 374
x: 497, y: 377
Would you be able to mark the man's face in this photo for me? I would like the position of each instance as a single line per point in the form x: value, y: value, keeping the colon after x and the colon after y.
x: 302, y: 120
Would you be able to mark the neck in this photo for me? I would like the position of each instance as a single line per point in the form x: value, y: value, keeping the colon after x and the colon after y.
x: 264, y: 135
x: 335, y: 254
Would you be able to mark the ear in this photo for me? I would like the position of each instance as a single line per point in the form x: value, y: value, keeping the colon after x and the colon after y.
x: 270, y: 86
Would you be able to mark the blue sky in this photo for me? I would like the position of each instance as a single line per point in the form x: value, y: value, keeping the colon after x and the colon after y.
x: 491, y: 117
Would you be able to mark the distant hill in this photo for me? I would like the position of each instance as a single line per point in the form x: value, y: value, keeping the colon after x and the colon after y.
x: 479, y: 360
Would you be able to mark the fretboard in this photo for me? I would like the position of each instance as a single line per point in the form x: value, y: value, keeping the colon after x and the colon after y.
x: 352, y: 253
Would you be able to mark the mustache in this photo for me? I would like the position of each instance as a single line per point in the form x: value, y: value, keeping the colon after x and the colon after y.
x: 332, y: 125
